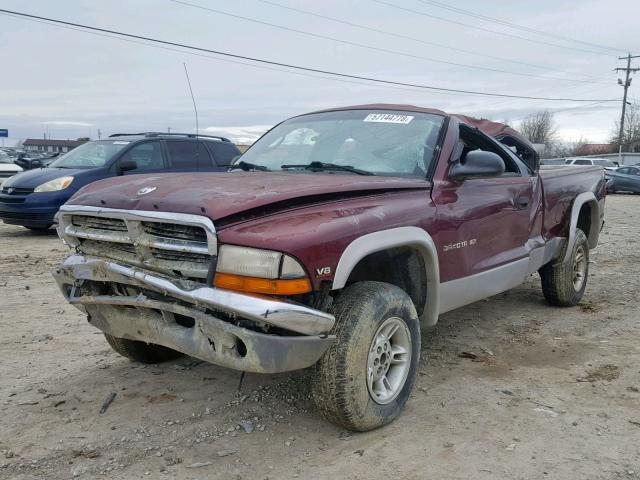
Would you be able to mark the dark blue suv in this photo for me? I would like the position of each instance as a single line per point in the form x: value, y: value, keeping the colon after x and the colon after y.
x: 32, y: 198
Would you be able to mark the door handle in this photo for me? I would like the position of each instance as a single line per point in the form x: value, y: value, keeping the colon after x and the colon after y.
x: 523, y: 202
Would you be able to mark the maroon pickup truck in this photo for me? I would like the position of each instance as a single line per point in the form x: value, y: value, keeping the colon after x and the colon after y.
x: 338, y: 236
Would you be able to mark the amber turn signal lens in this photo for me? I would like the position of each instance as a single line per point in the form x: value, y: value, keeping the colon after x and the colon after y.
x: 262, y: 285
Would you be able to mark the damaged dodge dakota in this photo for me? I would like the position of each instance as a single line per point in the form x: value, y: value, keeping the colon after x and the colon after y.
x: 334, y: 239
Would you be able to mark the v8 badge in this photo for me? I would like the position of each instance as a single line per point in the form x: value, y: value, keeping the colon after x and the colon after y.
x: 323, y: 271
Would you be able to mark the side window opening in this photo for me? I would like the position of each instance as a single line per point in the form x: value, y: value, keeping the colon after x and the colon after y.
x: 192, y: 155
x: 524, y: 152
x: 472, y: 140
x: 147, y: 156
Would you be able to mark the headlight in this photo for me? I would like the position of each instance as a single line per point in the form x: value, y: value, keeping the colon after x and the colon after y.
x: 259, y: 271
x: 54, y: 185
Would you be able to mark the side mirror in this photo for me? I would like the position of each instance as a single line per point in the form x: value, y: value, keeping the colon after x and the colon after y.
x: 477, y: 163
x: 126, y: 166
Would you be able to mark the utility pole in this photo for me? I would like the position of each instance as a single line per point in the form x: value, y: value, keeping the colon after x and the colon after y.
x: 625, y: 85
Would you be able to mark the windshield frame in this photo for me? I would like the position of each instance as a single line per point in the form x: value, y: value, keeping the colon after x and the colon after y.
x: 125, y: 145
x: 438, y: 136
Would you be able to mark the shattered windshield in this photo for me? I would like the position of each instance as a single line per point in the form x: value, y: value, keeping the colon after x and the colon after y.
x: 379, y: 142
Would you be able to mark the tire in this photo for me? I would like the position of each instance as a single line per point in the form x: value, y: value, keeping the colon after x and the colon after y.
x: 140, y: 351
x: 563, y: 284
x: 344, y: 384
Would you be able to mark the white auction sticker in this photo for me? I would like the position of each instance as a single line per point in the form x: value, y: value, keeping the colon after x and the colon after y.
x: 121, y: 143
x: 388, y: 118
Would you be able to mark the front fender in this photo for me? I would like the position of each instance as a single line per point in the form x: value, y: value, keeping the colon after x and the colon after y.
x: 374, y: 242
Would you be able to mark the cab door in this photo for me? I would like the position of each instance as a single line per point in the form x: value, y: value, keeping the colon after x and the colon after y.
x: 484, y: 223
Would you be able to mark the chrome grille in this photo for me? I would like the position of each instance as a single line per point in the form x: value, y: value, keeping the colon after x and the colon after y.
x: 169, y: 243
x: 181, y: 256
x: 172, y: 230
x: 99, y: 223
x: 94, y: 246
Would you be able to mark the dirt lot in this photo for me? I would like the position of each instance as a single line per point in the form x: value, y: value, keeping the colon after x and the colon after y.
x: 507, y: 388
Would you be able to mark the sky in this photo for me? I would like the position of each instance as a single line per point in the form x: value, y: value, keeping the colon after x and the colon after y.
x: 67, y: 84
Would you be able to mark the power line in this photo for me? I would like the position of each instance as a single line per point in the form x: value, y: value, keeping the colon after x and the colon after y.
x: 297, y: 67
x: 476, y: 27
x: 226, y: 60
x: 413, y: 39
x: 554, y: 111
x: 371, y: 47
x: 539, y: 90
x: 516, y: 26
x: 582, y: 106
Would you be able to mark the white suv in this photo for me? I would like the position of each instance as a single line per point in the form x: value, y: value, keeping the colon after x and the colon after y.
x: 601, y: 162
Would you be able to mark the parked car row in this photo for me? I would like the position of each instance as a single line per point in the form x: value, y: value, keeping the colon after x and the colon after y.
x: 601, y: 162
x: 30, y: 160
x: 7, y: 167
x: 619, y: 179
x: 623, y: 179
x: 32, y: 198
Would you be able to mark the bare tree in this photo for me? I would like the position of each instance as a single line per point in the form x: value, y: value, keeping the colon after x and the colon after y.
x: 539, y: 127
x: 631, y: 132
x: 566, y: 149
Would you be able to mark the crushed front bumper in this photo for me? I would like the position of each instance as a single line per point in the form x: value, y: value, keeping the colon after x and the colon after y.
x: 195, y: 319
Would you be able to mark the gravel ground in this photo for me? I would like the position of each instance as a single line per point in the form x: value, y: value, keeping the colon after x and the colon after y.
x: 507, y: 388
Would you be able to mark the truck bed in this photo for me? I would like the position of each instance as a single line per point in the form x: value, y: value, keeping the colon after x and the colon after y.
x: 561, y: 185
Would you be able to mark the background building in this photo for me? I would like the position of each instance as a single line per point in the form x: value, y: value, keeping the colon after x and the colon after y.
x: 40, y: 145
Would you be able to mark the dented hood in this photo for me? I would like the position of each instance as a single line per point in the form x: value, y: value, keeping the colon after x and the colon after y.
x: 220, y: 195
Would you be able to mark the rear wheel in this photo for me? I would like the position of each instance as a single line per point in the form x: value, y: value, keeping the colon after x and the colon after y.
x: 140, y: 351
x: 563, y: 284
x: 364, y: 380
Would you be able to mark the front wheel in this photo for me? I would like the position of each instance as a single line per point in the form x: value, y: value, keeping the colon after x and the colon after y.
x: 563, y: 284
x: 364, y: 380
x: 140, y: 351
